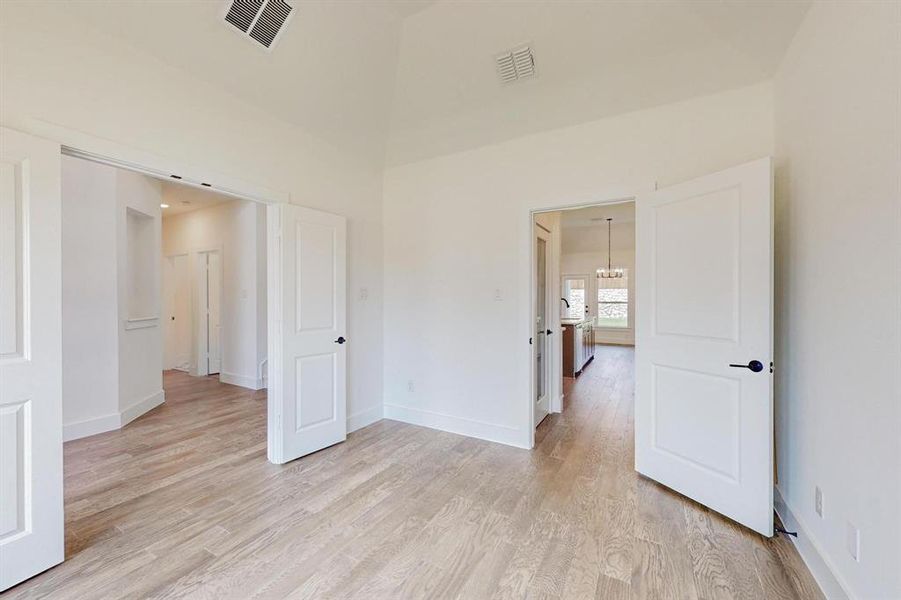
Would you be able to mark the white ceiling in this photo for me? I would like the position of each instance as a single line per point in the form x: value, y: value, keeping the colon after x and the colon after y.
x: 401, y: 80
x: 331, y: 72
x: 593, y: 59
x: 594, y: 216
x: 184, y: 198
x: 585, y: 229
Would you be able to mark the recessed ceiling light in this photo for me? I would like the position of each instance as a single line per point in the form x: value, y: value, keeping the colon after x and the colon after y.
x: 164, y: 206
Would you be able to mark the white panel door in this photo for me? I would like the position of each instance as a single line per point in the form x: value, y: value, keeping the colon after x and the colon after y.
x: 177, y: 286
x: 214, y: 312
x: 31, y: 443
x: 307, y: 349
x: 703, y: 396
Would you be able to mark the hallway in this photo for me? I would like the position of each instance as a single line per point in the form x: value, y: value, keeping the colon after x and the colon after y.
x: 182, y: 503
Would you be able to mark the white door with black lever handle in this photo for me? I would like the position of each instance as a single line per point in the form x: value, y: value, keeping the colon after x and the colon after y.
x: 703, y: 397
x: 307, y: 349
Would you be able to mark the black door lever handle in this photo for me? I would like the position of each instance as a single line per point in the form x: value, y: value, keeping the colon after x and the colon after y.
x: 340, y: 340
x: 549, y: 332
x: 754, y: 365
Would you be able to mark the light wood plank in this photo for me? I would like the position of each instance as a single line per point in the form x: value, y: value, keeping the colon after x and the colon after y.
x: 181, y: 503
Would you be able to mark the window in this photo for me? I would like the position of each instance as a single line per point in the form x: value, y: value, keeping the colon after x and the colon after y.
x: 613, y: 302
x: 574, y: 292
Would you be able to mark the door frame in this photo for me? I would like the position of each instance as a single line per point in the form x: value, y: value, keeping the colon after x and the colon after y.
x: 607, y: 195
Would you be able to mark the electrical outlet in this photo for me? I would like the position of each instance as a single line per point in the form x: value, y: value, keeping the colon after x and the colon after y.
x: 853, y: 540
x: 498, y: 295
x: 364, y: 294
x: 410, y: 387
x: 819, y: 501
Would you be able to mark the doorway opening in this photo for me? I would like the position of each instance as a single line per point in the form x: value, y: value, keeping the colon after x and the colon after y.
x: 214, y: 285
x: 583, y: 295
x: 701, y: 260
x: 182, y: 287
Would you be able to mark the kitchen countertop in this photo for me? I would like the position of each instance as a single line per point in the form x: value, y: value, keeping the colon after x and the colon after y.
x: 575, y: 321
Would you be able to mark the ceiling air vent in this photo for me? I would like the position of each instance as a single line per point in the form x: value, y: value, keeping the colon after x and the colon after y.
x: 259, y: 20
x: 516, y: 64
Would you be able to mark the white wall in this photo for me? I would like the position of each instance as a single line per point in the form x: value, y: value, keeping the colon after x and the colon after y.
x: 233, y: 228
x: 96, y: 90
x: 593, y: 60
x: 838, y: 387
x: 140, y: 347
x: 457, y: 228
x: 584, y: 252
x: 90, y: 305
x: 111, y: 360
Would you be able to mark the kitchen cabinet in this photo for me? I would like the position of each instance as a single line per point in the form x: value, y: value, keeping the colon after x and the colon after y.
x: 578, y: 346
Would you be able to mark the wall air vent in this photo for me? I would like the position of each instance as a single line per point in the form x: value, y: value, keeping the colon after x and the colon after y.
x: 259, y: 20
x: 516, y: 64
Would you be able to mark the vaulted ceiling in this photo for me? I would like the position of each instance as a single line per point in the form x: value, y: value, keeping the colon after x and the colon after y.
x: 412, y: 79
x: 331, y: 72
x: 593, y: 59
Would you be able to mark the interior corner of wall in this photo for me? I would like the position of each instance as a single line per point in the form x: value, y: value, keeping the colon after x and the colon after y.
x: 141, y: 406
x: 824, y: 572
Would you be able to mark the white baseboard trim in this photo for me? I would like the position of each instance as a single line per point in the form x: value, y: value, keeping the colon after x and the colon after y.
x: 113, y: 421
x: 822, y: 571
x: 251, y: 383
x: 459, y: 425
x: 88, y: 427
x: 363, y: 418
x: 142, y: 406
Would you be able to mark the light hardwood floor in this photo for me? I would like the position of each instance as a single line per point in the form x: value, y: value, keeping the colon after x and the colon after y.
x: 182, y: 503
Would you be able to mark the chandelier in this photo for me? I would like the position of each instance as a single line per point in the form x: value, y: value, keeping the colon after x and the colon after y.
x: 609, y: 272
